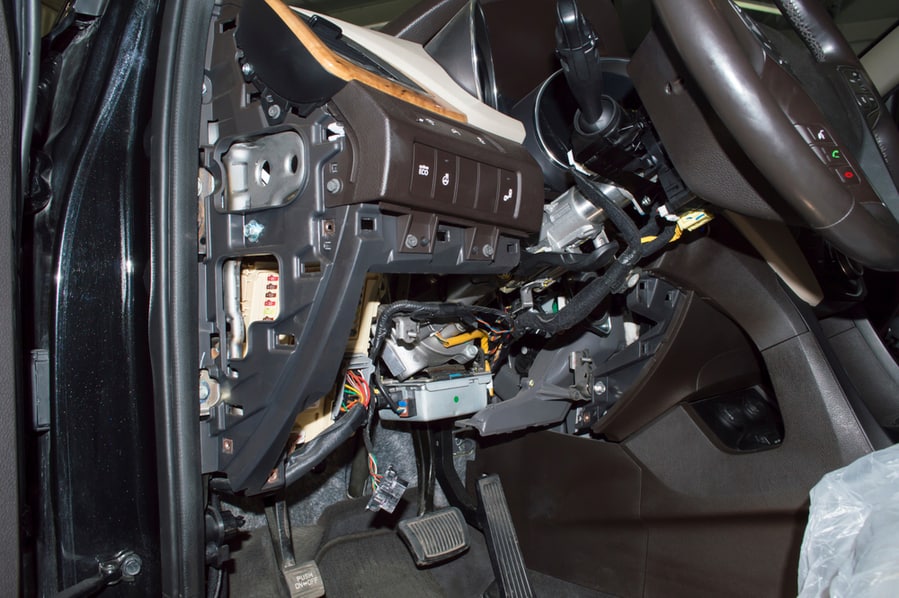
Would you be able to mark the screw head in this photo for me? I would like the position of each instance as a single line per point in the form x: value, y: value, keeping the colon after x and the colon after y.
x: 204, y: 390
x: 252, y: 230
x: 599, y: 387
x: 247, y: 69
x: 131, y: 566
x: 333, y: 185
x: 487, y: 250
x: 274, y: 111
x: 411, y: 241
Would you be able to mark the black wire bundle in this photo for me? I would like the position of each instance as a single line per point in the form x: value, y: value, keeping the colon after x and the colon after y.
x: 425, y: 312
x: 613, y: 279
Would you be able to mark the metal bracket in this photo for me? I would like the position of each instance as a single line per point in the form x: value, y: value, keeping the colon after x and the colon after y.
x: 581, y: 365
x: 125, y: 565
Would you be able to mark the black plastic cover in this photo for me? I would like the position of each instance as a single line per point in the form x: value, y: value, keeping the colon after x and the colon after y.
x: 280, y: 60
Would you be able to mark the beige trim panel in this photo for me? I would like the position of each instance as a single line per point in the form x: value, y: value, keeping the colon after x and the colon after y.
x: 415, y: 63
x: 778, y: 247
x: 347, y: 71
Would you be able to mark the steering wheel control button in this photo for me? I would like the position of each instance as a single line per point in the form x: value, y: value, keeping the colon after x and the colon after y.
x: 866, y: 101
x: 423, y: 169
x: 847, y: 175
x: 815, y: 134
x: 864, y: 97
x: 830, y: 153
x: 488, y: 186
x: 508, y: 193
x: 445, y: 185
x: 854, y: 76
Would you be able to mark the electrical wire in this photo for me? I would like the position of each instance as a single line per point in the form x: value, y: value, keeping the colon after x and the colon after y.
x: 615, y: 276
x: 373, y: 475
x: 355, y: 391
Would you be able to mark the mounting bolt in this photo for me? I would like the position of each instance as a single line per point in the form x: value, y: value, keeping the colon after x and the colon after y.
x: 411, y: 241
x: 632, y: 279
x: 274, y: 111
x: 247, y: 69
x: 333, y: 186
x: 645, y: 202
x: 487, y: 250
x: 531, y: 383
x: 252, y: 231
x: 599, y: 387
x: 131, y: 565
x: 204, y: 390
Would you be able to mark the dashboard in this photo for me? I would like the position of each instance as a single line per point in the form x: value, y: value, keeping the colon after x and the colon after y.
x: 322, y: 166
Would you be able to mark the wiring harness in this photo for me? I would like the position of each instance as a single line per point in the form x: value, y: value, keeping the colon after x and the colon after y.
x: 614, y: 278
x: 496, y: 323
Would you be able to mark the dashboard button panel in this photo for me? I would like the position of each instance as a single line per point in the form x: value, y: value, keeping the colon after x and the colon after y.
x: 410, y: 162
x: 488, y: 185
x: 507, y: 203
x: 445, y: 178
x: 467, y: 190
x: 423, y: 167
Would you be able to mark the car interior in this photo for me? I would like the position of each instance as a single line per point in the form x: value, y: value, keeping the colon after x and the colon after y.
x: 455, y: 297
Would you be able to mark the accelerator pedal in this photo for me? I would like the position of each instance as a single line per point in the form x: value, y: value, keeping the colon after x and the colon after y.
x: 502, y: 541
x: 435, y: 537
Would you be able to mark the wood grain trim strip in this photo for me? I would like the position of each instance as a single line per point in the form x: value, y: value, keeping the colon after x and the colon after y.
x: 347, y: 71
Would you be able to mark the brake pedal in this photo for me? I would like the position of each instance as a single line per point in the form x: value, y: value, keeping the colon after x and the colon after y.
x: 435, y: 537
x: 502, y: 541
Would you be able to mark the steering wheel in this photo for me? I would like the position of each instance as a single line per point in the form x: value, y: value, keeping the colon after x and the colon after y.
x: 834, y: 158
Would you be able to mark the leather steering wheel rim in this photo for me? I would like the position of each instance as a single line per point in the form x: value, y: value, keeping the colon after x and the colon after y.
x: 751, y: 92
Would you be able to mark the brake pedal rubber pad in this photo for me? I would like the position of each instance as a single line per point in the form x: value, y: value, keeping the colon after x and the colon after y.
x: 435, y: 537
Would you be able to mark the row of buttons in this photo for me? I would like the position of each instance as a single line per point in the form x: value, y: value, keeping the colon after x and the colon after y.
x: 450, y: 179
x: 822, y: 143
x: 453, y: 130
x: 863, y: 95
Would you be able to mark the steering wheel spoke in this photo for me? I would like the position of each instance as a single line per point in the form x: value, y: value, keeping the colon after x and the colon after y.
x: 829, y: 164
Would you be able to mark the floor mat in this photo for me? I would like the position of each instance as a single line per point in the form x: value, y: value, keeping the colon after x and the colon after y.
x: 373, y: 565
x: 361, y: 555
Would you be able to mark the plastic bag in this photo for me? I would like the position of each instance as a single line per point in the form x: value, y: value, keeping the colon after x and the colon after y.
x: 851, y: 544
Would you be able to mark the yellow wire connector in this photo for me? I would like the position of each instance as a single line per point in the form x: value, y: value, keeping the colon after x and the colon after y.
x: 687, y: 222
x: 693, y: 219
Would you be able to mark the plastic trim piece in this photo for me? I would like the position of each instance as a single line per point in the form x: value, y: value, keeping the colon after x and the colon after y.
x: 414, y: 62
x: 347, y: 71
x: 173, y: 332
x: 9, y: 348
